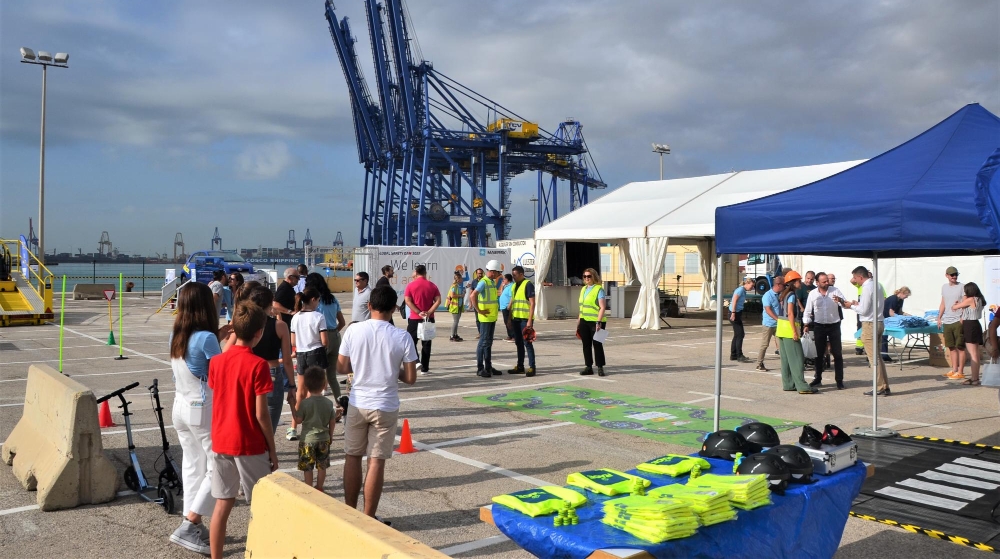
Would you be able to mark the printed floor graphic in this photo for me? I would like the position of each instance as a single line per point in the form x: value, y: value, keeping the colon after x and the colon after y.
x: 667, y: 422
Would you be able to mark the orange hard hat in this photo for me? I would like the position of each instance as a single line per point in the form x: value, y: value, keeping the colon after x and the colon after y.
x: 792, y: 276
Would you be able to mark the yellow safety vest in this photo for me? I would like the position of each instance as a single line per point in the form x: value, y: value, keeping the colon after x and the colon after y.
x: 519, y: 307
x: 589, y: 307
x: 488, y: 302
x: 455, y: 304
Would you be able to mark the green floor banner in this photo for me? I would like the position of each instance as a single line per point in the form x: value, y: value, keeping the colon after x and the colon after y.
x: 667, y: 422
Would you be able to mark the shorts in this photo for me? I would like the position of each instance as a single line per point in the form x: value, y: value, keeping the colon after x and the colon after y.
x: 972, y: 332
x: 231, y: 472
x: 314, y: 455
x: 370, y: 433
x: 314, y: 357
x: 953, y: 336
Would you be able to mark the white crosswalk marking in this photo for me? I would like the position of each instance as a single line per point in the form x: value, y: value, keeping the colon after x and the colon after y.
x: 958, y: 480
x: 906, y: 495
x: 971, y: 472
x: 941, y: 489
x: 982, y: 464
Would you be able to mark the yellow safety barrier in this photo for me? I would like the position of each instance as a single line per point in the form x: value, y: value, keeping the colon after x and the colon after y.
x: 56, y: 449
x: 290, y: 519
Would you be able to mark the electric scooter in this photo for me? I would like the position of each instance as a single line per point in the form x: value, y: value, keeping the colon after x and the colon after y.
x: 169, y: 482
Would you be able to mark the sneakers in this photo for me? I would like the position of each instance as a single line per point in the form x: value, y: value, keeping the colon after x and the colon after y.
x: 327, y: 392
x: 587, y: 371
x: 529, y: 372
x: 517, y: 370
x: 884, y: 392
x: 840, y: 385
x: 422, y: 371
x: 191, y: 537
x: 456, y: 339
x: 955, y: 375
x: 810, y: 391
x: 859, y: 351
x: 600, y: 371
x: 291, y: 435
x: 760, y: 367
x: 745, y: 359
x: 816, y: 382
x: 484, y: 374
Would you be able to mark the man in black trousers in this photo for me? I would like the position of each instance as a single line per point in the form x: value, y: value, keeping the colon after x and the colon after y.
x: 822, y: 317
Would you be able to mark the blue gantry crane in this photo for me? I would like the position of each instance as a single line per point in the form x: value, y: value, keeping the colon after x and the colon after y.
x: 438, y: 156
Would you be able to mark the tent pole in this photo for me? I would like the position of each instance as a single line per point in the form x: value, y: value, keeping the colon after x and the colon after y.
x: 718, y: 342
x: 876, y: 347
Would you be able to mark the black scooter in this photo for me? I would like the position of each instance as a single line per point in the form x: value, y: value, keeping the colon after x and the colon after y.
x: 169, y: 482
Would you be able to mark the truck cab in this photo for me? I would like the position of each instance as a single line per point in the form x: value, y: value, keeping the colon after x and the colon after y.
x: 762, y: 268
x: 205, y: 262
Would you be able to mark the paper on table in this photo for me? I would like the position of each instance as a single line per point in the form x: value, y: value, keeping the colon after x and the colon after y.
x: 600, y: 335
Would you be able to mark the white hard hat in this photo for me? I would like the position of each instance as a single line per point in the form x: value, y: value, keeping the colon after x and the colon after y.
x: 494, y: 265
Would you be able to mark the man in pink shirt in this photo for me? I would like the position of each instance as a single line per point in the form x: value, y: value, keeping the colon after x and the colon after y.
x: 422, y: 298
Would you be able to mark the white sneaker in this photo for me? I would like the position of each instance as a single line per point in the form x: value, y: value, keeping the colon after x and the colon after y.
x: 190, y: 536
x: 291, y: 435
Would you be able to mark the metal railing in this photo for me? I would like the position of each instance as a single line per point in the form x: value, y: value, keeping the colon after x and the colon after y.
x: 38, y: 277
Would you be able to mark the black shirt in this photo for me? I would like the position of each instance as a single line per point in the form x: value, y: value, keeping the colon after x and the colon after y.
x: 892, y: 302
x: 284, y: 295
x: 382, y: 281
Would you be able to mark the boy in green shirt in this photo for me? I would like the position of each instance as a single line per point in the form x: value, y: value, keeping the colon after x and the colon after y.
x: 318, y: 416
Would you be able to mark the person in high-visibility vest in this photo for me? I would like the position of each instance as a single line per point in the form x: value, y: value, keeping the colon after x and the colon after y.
x: 486, y: 305
x: 592, y: 307
x: 522, y: 313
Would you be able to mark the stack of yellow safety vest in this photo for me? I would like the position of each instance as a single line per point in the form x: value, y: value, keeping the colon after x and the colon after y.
x: 748, y: 492
x: 651, y: 519
x: 712, y: 506
x: 673, y: 465
x: 606, y: 481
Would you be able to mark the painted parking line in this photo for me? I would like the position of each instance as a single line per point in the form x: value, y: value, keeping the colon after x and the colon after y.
x: 16, y: 510
x: 94, y: 374
x: 502, y: 434
x: 722, y: 396
x: 132, y: 351
x: 891, y: 422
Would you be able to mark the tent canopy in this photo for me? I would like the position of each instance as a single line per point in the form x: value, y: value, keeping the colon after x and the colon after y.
x: 917, y: 199
x: 676, y: 208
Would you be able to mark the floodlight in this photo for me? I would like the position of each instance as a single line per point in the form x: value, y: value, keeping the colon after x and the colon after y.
x: 44, y: 56
x: 62, y: 58
x: 27, y: 54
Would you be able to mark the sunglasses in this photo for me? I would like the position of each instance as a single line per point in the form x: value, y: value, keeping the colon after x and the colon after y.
x: 953, y: 275
x: 358, y: 280
x: 587, y: 276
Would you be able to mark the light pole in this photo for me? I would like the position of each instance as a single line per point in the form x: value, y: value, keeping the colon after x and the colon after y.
x: 534, y: 211
x: 661, y: 149
x: 43, y: 59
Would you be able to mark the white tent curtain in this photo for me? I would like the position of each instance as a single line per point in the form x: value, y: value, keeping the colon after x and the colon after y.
x: 706, y: 251
x: 647, y: 254
x: 626, y: 259
x: 543, y: 260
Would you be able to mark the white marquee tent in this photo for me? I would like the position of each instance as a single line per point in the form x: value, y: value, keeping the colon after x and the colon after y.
x: 642, y: 218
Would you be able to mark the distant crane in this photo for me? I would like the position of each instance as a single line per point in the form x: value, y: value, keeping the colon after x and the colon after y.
x: 104, y: 245
x: 291, y: 244
x: 179, y: 242
x: 339, y: 241
x: 438, y: 156
x: 32, y: 238
x: 216, y: 240
x: 308, y: 240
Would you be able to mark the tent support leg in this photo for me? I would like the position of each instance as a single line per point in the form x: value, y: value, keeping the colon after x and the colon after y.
x: 718, y: 344
x: 875, y: 431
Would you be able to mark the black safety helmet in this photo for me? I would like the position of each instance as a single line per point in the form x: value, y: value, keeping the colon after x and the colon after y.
x: 797, y: 460
x: 768, y: 464
x: 759, y: 436
x: 835, y: 435
x: 810, y: 437
x: 723, y: 444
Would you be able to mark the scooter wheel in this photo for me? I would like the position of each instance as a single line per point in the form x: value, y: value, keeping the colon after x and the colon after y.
x: 131, y: 479
x: 167, y: 499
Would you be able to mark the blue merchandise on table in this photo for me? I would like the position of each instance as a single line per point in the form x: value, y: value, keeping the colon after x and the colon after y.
x: 819, y: 510
x: 896, y: 322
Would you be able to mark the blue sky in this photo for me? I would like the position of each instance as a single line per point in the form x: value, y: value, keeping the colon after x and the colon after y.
x: 186, y: 116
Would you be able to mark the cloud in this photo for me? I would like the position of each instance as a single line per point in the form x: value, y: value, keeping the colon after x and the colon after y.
x: 263, y: 161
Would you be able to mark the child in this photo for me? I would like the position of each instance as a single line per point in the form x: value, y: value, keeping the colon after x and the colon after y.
x: 318, y: 416
x: 308, y: 344
x: 241, y: 423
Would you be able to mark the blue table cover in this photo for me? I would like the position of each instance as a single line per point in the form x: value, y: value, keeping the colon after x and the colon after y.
x: 807, y: 522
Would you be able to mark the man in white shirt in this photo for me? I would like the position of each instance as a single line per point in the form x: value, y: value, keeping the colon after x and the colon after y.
x: 359, y: 306
x: 217, y: 286
x: 870, y: 315
x: 379, y: 355
x: 822, y: 316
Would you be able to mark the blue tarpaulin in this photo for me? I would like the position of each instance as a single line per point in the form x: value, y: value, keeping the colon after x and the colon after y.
x: 917, y: 199
x: 988, y: 195
x: 806, y: 522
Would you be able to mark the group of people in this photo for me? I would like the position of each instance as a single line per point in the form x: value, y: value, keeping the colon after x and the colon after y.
x: 231, y: 383
x: 796, y: 306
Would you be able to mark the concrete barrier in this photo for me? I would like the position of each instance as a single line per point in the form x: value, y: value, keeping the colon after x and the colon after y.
x: 56, y: 447
x: 92, y: 290
x: 290, y: 519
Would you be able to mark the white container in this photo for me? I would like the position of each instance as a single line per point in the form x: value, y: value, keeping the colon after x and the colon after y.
x: 830, y: 459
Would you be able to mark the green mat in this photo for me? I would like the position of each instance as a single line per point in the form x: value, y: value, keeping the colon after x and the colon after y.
x: 680, y: 424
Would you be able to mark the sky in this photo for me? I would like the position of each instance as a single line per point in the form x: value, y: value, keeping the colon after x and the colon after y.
x: 183, y: 116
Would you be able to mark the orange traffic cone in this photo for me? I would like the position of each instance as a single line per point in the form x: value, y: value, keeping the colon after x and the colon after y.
x: 104, y: 415
x: 405, y: 442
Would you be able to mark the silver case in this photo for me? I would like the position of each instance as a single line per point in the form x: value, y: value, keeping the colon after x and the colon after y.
x: 829, y: 459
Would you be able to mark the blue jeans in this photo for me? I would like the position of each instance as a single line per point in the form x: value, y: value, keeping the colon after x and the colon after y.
x: 518, y: 325
x: 484, y: 351
x: 276, y: 399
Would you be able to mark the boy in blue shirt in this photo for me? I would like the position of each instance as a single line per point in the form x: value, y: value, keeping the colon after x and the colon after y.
x: 769, y: 319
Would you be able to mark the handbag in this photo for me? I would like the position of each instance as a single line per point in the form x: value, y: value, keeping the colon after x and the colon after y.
x: 808, y: 345
x: 426, y: 331
x: 989, y: 374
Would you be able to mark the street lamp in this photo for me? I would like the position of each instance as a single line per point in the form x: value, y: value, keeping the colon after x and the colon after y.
x: 43, y: 59
x: 534, y: 209
x: 661, y: 149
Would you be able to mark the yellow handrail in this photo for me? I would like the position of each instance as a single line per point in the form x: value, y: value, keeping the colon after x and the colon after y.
x: 40, y: 278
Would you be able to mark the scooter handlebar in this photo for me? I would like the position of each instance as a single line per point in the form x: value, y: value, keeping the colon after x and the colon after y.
x: 117, y: 392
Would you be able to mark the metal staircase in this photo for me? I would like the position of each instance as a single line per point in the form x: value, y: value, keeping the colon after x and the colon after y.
x: 24, y: 300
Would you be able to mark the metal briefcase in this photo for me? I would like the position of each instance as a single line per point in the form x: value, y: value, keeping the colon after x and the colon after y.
x: 830, y: 459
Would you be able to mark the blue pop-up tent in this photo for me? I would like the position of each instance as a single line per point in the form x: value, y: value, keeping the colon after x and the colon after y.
x: 917, y: 199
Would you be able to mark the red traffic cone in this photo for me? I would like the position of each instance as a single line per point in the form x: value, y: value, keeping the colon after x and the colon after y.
x: 405, y: 442
x: 104, y: 415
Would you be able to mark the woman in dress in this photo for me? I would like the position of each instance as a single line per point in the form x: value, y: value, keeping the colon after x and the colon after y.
x: 792, y: 358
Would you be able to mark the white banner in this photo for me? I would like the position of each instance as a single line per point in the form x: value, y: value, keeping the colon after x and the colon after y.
x: 522, y: 253
x: 441, y: 263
